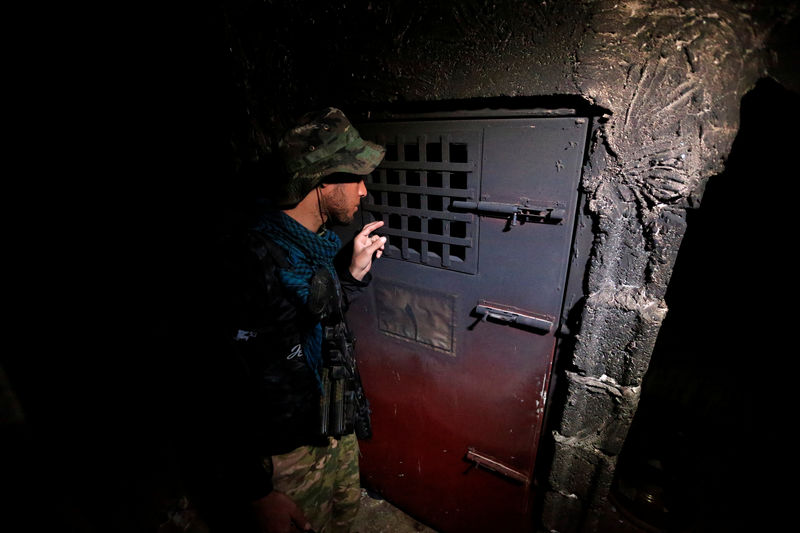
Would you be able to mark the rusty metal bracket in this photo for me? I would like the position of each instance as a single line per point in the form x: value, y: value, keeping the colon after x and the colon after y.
x: 493, y: 464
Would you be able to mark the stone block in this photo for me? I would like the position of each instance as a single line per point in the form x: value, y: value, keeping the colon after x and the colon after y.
x: 598, y: 411
x: 587, y: 409
x: 580, y: 479
x: 574, y: 467
x: 618, y: 330
x: 562, y: 513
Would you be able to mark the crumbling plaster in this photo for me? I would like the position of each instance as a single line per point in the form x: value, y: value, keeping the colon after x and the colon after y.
x: 668, y: 76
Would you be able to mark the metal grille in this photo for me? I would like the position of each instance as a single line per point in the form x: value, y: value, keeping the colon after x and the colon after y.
x: 411, y: 192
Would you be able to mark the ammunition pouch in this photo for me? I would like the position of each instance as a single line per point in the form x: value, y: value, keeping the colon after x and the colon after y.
x: 343, y: 405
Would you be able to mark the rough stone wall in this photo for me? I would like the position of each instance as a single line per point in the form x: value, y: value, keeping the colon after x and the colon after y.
x: 669, y: 74
x: 672, y: 74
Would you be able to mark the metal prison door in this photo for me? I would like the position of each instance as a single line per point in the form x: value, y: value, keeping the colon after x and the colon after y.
x: 455, y: 335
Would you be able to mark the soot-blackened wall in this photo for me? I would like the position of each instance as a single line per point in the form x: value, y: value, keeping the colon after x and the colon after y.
x: 666, y: 79
x: 700, y: 454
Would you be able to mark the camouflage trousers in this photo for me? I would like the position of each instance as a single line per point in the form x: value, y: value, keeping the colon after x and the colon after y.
x: 323, y: 482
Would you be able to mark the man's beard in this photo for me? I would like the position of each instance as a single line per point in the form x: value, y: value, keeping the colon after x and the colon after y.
x: 338, y: 211
x: 339, y: 218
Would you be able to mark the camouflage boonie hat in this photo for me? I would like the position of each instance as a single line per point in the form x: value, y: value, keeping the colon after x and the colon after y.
x: 323, y: 143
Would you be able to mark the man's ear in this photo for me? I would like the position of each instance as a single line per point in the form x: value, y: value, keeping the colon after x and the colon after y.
x: 323, y: 190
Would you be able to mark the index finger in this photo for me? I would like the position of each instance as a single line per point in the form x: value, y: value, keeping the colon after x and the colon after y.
x: 372, y: 226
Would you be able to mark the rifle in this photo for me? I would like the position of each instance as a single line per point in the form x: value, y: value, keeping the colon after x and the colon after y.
x: 343, y: 406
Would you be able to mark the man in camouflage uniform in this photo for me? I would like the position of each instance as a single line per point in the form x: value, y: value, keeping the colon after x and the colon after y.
x: 290, y: 282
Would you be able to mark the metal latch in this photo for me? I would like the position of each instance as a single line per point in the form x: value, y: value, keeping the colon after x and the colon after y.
x: 521, y: 212
x: 513, y: 316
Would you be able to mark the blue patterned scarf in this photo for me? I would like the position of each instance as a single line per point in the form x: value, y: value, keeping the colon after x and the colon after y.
x: 306, y: 253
